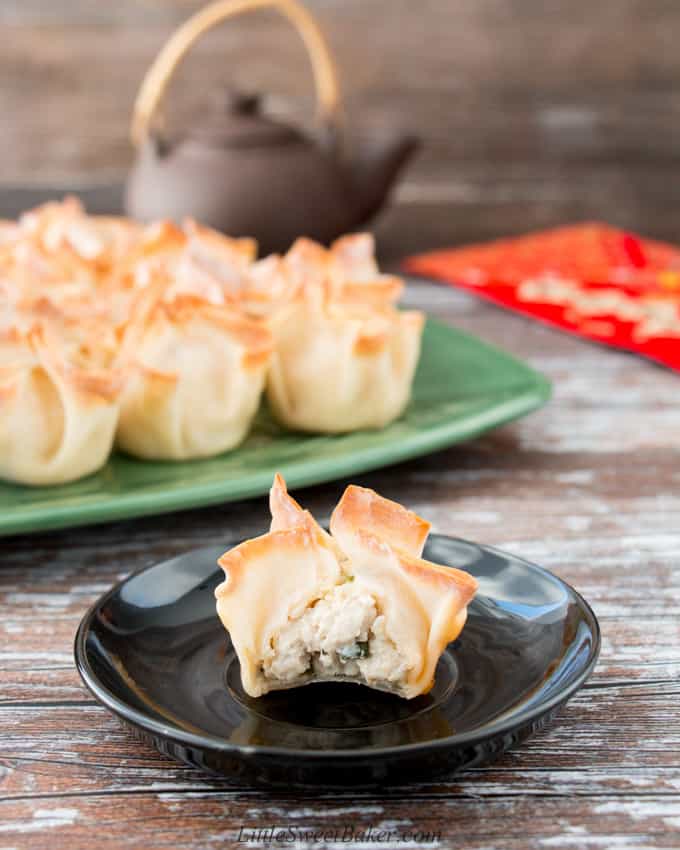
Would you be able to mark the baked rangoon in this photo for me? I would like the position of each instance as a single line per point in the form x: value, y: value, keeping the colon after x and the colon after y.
x: 356, y: 605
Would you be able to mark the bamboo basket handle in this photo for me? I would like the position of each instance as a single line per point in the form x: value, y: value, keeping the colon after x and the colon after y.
x: 158, y: 76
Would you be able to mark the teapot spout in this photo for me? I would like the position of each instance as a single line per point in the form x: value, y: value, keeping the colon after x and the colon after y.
x: 377, y: 163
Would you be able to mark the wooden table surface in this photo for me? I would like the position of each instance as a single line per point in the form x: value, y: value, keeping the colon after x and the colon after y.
x: 589, y: 487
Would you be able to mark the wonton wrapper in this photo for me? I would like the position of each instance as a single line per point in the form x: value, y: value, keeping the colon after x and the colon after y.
x: 195, y: 259
x: 344, y: 356
x: 341, y: 366
x: 57, y: 417
x: 75, y: 241
x: 61, y: 255
x: 276, y: 584
x: 198, y: 317
x: 310, y: 271
x: 196, y: 376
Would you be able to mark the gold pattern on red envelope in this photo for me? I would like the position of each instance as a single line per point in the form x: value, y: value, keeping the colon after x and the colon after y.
x: 597, y: 281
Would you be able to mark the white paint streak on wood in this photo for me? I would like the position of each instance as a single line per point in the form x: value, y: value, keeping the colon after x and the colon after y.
x: 44, y: 819
x: 316, y: 811
x: 51, y: 600
x: 579, y: 838
x: 641, y: 809
x: 577, y: 476
x: 577, y: 523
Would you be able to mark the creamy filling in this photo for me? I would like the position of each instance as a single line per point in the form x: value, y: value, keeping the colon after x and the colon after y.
x: 341, y: 635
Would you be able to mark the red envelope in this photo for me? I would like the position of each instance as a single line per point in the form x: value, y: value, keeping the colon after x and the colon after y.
x: 589, y: 279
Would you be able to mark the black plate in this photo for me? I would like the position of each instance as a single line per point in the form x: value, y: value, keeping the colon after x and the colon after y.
x: 153, y: 651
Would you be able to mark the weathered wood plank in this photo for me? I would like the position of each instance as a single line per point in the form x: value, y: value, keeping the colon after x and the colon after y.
x: 168, y: 820
x: 622, y: 727
x: 102, y: 774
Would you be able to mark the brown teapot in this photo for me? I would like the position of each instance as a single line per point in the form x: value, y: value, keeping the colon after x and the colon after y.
x: 244, y: 173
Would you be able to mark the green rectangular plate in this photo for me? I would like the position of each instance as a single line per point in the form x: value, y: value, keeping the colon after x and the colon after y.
x: 462, y: 388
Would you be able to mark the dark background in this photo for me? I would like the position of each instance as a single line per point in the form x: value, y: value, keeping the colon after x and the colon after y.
x: 534, y: 112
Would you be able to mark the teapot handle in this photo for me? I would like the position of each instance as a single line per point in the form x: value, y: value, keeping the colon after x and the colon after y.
x: 159, y: 74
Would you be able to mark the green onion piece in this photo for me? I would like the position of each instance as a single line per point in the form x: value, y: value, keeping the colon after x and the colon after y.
x: 354, y: 650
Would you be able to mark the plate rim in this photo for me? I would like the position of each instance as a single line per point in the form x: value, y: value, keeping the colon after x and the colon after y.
x: 504, y: 725
x: 537, y: 392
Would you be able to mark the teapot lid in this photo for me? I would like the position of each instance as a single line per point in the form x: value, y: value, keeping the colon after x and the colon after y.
x: 242, y: 124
